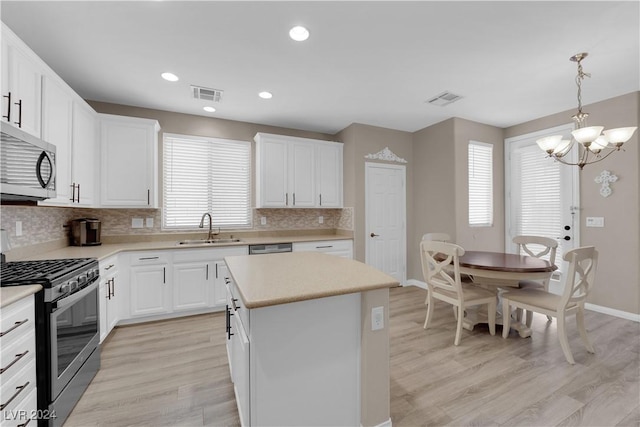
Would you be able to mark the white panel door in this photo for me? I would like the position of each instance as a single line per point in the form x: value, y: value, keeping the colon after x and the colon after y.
x: 385, y: 218
x: 542, y: 196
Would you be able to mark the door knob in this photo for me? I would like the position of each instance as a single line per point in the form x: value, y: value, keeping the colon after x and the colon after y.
x: 374, y: 235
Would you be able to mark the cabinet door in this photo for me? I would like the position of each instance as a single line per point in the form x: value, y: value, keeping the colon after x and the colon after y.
x: 191, y: 285
x: 129, y: 161
x: 149, y: 290
x: 85, y: 153
x: 103, y: 298
x: 24, y: 82
x: 329, y: 175
x: 113, y: 310
x: 272, y: 173
x: 240, y: 360
x: 302, y: 175
x: 57, y: 113
x: 220, y: 287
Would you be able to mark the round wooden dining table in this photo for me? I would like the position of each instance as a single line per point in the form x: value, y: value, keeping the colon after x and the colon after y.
x: 493, y: 270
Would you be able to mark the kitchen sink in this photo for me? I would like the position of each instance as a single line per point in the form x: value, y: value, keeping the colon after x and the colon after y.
x: 207, y: 241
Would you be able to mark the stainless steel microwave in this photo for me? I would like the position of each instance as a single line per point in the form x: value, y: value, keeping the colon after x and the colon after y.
x: 27, y: 166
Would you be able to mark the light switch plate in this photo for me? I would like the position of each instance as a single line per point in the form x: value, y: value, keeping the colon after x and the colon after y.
x: 377, y: 318
x: 263, y: 220
x: 137, y: 223
x: 595, y: 221
x: 149, y: 222
x: 321, y: 219
x: 18, y: 228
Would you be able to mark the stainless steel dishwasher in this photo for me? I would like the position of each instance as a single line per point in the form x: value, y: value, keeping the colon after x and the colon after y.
x: 270, y: 249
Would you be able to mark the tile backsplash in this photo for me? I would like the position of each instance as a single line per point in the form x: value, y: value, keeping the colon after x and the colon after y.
x: 44, y: 224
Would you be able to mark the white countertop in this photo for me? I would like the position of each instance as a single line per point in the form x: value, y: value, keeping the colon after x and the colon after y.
x: 11, y: 294
x: 106, y: 250
x: 273, y: 279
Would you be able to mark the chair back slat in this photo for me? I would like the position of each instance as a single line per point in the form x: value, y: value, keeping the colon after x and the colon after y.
x: 438, y: 237
x: 537, y: 246
x: 580, y: 274
x: 436, y: 257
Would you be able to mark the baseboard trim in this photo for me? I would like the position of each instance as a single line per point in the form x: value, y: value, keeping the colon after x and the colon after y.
x: 593, y: 307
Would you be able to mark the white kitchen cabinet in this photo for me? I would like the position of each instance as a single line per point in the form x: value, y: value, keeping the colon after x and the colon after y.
x: 17, y: 359
x: 22, y: 72
x: 150, y: 284
x: 296, y: 172
x: 84, y: 164
x: 192, y: 280
x: 329, y: 174
x: 110, y: 292
x: 57, y: 113
x: 342, y: 248
x: 129, y: 162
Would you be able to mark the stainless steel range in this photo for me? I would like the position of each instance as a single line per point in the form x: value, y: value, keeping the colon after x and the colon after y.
x: 67, y: 329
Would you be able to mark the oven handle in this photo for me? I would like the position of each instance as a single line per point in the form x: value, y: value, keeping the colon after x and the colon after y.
x: 65, y: 302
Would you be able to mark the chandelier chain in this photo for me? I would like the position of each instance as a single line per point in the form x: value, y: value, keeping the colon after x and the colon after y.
x: 581, y: 75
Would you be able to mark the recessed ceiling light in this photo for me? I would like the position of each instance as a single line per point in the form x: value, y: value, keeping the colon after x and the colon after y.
x: 265, y: 95
x: 299, y: 33
x: 170, y: 77
x: 209, y: 109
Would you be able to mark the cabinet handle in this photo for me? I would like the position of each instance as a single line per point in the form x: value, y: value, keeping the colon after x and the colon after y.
x: 233, y: 302
x: 19, y: 122
x: 78, y: 193
x: 109, y: 267
x: 227, y: 280
x: 19, y: 388
x: 287, y: 199
x: 164, y: 274
x: 8, y: 116
x: 15, y: 325
x: 147, y: 257
x: 113, y: 286
x: 73, y: 192
x: 294, y: 199
x: 24, y: 424
x: 148, y: 196
x: 216, y: 270
x: 18, y: 357
x: 323, y: 247
x: 206, y: 277
x: 320, y: 199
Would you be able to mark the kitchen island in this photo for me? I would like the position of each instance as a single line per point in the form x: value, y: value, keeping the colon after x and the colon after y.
x: 308, y: 340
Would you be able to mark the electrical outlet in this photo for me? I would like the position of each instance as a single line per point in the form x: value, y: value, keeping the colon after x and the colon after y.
x: 263, y: 220
x: 595, y: 221
x: 321, y: 219
x: 149, y: 223
x: 18, y: 228
x: 137, y: 223
x: 377, y: 318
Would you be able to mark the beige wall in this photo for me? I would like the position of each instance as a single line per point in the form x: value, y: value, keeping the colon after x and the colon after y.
x: 617, y: 281
x: 360, y: 140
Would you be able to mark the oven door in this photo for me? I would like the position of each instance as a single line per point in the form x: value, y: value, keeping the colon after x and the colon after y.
x: 75, y: 334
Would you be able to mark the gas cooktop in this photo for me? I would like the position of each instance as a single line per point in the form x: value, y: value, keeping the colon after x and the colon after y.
x: 46, y: 272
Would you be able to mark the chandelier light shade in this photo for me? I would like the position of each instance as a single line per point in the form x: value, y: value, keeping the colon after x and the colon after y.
x: 595, y: 143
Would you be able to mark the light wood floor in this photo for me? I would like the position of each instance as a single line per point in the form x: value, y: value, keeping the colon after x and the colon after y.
x: 175, y: 373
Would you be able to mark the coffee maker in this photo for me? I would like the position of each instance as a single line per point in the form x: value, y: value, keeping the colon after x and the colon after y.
x: 85, y: 232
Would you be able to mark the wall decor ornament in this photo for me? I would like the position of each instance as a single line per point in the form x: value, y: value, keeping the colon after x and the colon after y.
x: 605, y: 178
x: 386, y: 155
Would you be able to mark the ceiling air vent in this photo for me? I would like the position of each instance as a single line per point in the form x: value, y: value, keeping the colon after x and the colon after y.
x: 444, y: 98
x: 214, y: 95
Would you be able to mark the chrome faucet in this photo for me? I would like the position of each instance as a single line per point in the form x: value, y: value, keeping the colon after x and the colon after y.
x: 210, y: 235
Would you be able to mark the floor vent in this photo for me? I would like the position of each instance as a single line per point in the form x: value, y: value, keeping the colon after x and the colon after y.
x: 445, y: 98
x: 207, y: 94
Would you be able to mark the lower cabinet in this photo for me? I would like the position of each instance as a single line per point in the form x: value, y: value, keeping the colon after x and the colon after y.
x: 110, y: 293
x: 176, y: 282
x: 341, y: 248
x: 18, y: 362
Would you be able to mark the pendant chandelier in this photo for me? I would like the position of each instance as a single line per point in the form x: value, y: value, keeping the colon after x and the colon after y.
x: 595, y: 145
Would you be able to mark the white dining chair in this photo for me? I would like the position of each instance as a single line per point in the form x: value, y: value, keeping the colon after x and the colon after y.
x: 437, y: 258
x: 579, y: 281
x: 538, y: 247
x: 437, y: 237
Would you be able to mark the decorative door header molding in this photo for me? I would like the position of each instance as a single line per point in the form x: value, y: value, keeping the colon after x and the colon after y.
x: 386, y: 155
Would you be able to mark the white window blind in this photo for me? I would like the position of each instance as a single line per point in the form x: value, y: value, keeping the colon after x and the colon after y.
x: 537, y: 190
x: 206, y: 175
x: 480, y: 184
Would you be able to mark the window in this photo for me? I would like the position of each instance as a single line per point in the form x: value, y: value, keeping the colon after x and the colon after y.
x: 480, y: 184
x: 206, y: 175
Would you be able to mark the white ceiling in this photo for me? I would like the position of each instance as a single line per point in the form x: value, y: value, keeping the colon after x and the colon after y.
x: 366, y: 62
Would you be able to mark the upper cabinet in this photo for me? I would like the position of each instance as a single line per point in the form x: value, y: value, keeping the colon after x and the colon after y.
x: 21, y: 84
x: 85, y: 155
x: 129, y: 156
x: 296, y: 172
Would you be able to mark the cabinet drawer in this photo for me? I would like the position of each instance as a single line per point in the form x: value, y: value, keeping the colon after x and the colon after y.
x: 17, y: 319
x: 108, y: 266
x: 150, y: 258
x: 323, y: 246
x: 17, y: 354
x: 25, y: 412
x: 16, y: 388
x: 208, y: 254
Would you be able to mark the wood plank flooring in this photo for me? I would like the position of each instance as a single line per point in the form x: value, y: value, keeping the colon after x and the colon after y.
x: 175, y: 373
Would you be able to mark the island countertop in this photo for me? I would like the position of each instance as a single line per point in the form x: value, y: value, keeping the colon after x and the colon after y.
x: 272, y: 279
